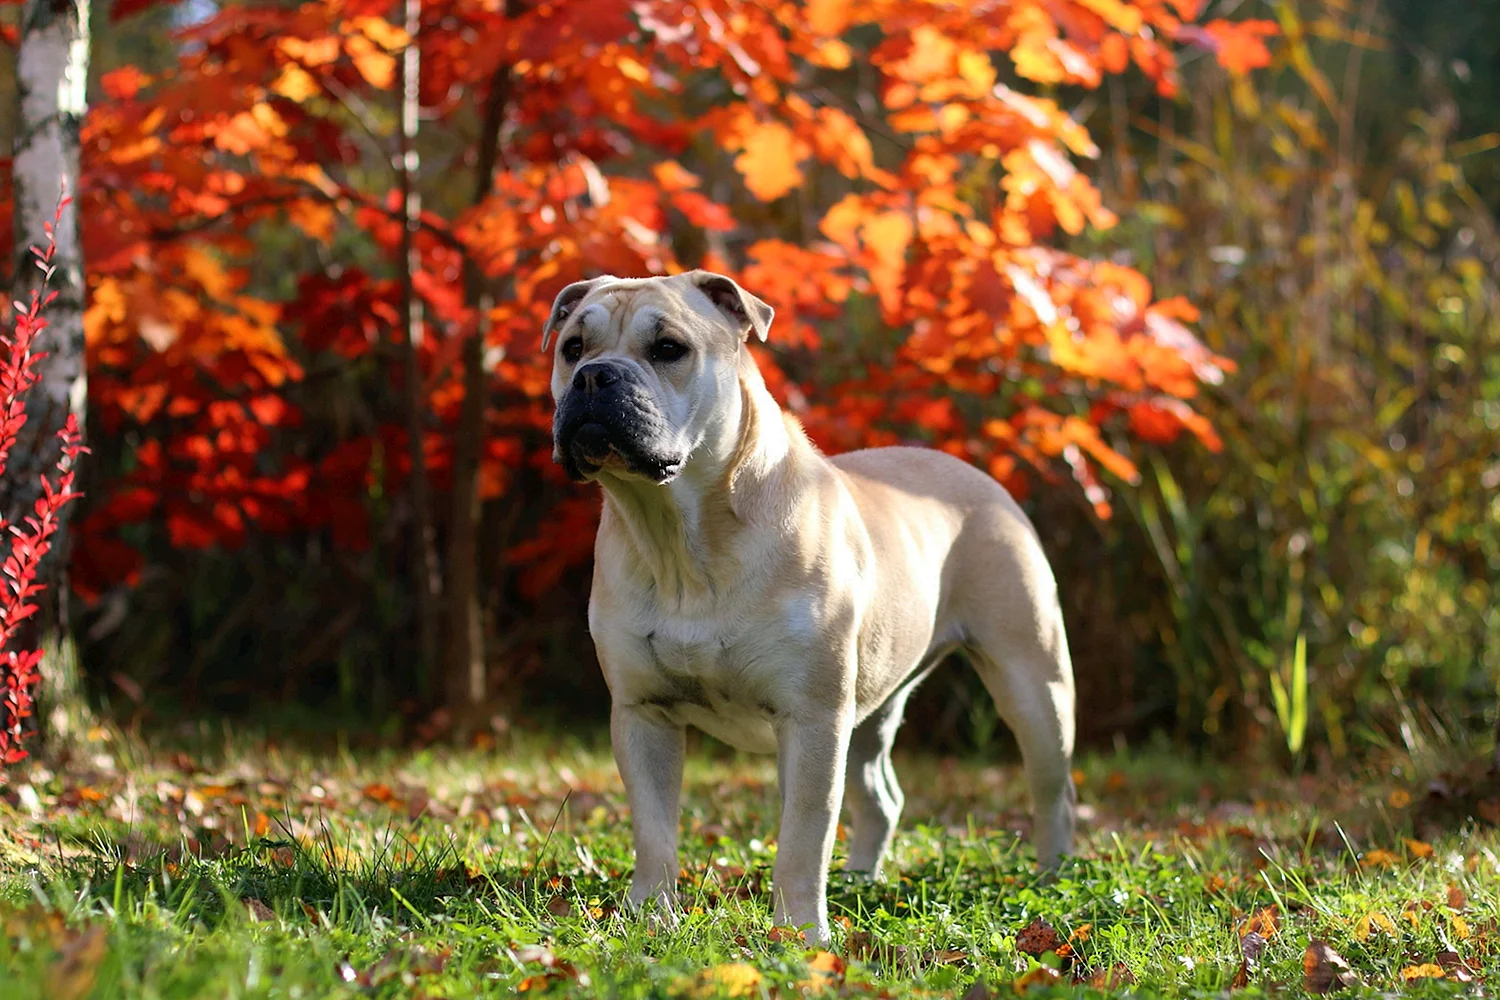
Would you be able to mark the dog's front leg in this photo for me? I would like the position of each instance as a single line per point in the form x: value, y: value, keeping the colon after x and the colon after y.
x: 810, y: 765
x: 649, y: 755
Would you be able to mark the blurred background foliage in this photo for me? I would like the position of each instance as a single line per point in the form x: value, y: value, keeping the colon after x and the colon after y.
x: 1334, y: 218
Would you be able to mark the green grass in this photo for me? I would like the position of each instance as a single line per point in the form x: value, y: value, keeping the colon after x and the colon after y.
x: 457, y: 875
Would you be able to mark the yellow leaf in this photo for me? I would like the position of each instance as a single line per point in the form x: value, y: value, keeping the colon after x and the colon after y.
x: 736, y: 979
x: 295, y: 84
x: 1370, y: 922
x: 317, y: 52
x: 1425, y: 971
x: 382, y: 32
x: 1460, y: 928
x: 377, y: 67
x: 769, y: 160
x: 1378, y: 859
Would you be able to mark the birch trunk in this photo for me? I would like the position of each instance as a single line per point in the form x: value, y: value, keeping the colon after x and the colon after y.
x: 466, y: 683
x: 424, y: 567
x: 51, y: 85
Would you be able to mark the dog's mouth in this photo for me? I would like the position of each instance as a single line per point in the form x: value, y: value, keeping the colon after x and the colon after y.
x: 592, y: 448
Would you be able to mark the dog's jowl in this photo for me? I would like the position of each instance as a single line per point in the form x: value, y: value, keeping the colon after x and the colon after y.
x: 780, y: 600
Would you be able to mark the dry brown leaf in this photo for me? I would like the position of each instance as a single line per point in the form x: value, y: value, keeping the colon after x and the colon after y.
x: 1325, y: 970
x: 72, y: 975
x: 1037, y: 938
x: 560, y: 907
x: 258, y: 910
x: 1041, y: 976
x: 1457, y: 900
x: 1113, y: 978
x: 1264, y: 922
x: 1452, y: 963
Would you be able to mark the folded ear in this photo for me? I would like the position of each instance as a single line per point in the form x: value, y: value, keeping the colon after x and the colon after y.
x: 750, y: 313
x: 567, y: 300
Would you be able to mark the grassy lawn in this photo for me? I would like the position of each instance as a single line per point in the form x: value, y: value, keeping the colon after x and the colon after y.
x: 268, y: 873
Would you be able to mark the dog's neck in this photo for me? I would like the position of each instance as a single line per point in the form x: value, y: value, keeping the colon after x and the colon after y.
x: 678, y: 530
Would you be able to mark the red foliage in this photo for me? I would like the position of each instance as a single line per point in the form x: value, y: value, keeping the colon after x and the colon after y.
x: 30, y: 540
x: 1017, y: 357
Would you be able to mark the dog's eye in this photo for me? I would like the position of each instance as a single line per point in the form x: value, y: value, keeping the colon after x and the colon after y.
x: 572, y: 349
x: 667, y: 349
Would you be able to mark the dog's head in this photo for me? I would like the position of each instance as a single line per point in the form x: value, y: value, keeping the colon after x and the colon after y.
x: 644, y: 369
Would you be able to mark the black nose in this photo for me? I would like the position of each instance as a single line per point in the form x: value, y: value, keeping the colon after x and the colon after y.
x: 592, y: 378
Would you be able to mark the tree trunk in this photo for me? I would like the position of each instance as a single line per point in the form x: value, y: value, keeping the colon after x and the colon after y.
x: 425, y: 577
x: 52, y: 65
x: 465, y: 685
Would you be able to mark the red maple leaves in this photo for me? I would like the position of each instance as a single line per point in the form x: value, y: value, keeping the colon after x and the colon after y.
x: 242, y: 212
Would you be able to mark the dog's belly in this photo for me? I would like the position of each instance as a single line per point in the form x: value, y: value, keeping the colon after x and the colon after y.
x: 731, y: 686
x: 744, y: 727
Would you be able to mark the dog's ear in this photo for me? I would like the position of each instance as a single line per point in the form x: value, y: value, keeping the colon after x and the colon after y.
x: 567, y: 300
x: 752, y: 315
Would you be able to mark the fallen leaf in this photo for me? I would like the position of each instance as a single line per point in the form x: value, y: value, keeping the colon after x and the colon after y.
x: 827, y: 971
x: 1325, y: 970
x: 258, y: 910
x: 379, y: 792
x: 1457, y: 900
x: 1427, y: 970
x: 560, y: 907
x: 735, y: 979
x: 1452, y: 963
x: 1264, y: 922
x: 1041, y: 976
x: 1378, y: 859
x: 72, y: 975
x: 1367, y: 924
x: 1252, y: 946
x: 1418, y: 848
x: 1112, y: 978
x: 1037, y: 938
x: 978, y: 991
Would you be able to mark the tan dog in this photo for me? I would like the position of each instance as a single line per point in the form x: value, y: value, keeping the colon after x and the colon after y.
x: 780, y: 600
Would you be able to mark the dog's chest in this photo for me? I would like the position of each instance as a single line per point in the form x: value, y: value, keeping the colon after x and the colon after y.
x: 732, y: 683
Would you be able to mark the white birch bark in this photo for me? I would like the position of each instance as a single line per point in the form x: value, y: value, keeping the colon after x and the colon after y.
x: 52, y: 66
x: 51, y: 80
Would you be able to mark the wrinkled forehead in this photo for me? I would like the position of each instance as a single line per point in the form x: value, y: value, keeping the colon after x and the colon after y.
x: 645, y: 309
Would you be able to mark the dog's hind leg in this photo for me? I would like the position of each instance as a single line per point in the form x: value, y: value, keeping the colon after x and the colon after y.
x: 1030, y: 677
x: 872, y: 792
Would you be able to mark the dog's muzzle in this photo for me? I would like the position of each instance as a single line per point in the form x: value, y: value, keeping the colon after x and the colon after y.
x: 608, y: 418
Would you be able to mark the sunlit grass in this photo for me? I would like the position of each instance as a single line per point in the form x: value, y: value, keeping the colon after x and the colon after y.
x: 434, y: 874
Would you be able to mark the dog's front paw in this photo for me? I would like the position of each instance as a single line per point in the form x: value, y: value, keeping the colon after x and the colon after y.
x: 655, y: 904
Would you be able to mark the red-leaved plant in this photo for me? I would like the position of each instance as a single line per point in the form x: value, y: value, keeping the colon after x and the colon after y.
x: 30, y: 540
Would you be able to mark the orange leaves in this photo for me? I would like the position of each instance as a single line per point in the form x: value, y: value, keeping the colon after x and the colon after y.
x: 1240, y: 45
x: 249, y: 131
x: 769, y: 159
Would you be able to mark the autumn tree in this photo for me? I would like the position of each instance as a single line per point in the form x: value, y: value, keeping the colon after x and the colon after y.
x: 322, y: 244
